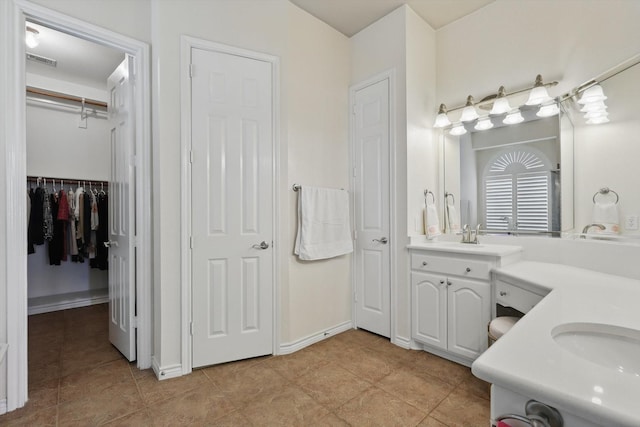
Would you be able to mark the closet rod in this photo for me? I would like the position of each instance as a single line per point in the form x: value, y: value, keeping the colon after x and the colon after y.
x: 67, y: 180
x: 64, y: 96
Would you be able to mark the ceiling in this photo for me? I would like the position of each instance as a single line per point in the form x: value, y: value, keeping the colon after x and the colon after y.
x: 79, y: 61
x: 351, y: 16
x: 87, y: 63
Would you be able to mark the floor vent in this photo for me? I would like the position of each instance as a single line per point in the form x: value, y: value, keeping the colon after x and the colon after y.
x: 42, y: 59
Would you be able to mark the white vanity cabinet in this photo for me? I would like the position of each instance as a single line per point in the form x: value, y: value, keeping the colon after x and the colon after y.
x: 451, y: 298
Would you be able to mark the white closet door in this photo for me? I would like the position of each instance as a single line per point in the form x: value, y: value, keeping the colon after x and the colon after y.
x: 232, y: 207
x: 122, y: 287
x: 373, y: 280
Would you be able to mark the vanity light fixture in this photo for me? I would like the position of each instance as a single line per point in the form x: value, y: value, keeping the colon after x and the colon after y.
x: 32, y: 37
x: 538, y: 94
x: 591, y: 95
x: 457, y: 130
x: 548, y: 110
x: 513, y: 117
x: 598, y: 120
x: 469, y: 112
x: 441, y: 119
x: 593, y: 106
x: 501, y: 103
x: 595, y: 114
x: 484, y: 124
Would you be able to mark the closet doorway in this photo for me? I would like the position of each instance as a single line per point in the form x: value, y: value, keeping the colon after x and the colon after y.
x: 129, y: 170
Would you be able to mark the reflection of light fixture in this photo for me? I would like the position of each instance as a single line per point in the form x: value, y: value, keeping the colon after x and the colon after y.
x: 32, y: 38
x: 442, y: 120
x: 593, y: 94
x: 483, y: 124
x: 548, y: 110
x: 469, y: 112
x: 500, y: 104
x: 457, y: 130
x: 513, y: 117
x: 593, y: 106
x: 538, y: 94
x: 598, y: 120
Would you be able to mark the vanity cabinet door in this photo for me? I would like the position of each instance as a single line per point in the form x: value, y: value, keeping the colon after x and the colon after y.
x: 429, y: 299
x: 469, y: 312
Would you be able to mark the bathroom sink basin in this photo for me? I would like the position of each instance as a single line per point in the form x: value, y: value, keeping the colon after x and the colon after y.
x: 609, y: 346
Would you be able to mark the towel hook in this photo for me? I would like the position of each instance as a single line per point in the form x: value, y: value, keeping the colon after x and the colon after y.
x: 605, y: 191
x: 453, y: 198
x: 433, y: 198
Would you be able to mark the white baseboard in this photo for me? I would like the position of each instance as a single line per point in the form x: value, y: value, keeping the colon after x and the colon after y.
x: 166, y: 372
x: 292, y: 347
x: 402, y: 342
x: 3, y: 406
x: 66, y: 301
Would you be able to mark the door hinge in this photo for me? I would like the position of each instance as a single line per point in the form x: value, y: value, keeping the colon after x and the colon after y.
x: 355, y: 297
x: 134, y: 322
x: 355, y: 235
x: 190, y: 156
x: 355, y: 109
x: 191, y: 328
x: 191, y: 70
x: 190, y: 242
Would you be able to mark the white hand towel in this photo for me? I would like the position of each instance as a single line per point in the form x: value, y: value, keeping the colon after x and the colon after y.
x: 607, y: 215
x: 453, y: 218
x: 323, y: 223
x: 431, y: 220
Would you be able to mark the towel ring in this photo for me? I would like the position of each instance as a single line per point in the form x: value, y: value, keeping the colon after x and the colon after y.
x: 433, y: 198
x: 453, y: 198
x: 605, y: 191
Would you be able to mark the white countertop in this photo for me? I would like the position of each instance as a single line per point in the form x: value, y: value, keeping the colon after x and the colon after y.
x: 466, y: 248
x: 528, y: 361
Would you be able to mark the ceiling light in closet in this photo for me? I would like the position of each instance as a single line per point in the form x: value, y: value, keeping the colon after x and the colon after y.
x: 442, y: 120
x: 32, y: 37
x: 469, y: 112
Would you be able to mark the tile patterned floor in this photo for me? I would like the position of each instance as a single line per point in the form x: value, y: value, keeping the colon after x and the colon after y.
x: 76, y: 378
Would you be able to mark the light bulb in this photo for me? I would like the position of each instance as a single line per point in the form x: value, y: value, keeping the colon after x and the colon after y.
x: 483, y: 124
x: 441, y: 119
x: 513, y: 117
x: 593, y: 94
x: 458, y: 129
x: 32, y: 37
x: 500, y: 104
x: 469, y: 112
x: 538, y: 95
x: 548, y: 110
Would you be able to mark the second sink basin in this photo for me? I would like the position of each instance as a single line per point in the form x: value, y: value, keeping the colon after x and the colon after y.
x: 610, y: 346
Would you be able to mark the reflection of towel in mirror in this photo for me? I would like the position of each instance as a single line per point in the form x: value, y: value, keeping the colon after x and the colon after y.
x: 431, y: 220
x: 453, y: 218
x: 323, y: 223
x: 607, y: 215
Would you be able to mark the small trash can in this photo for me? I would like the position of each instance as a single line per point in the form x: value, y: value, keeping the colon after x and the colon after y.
x: 500, y: 326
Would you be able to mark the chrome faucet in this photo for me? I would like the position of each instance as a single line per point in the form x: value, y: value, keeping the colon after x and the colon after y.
x: 475, y: 238
x: 467, y: 234
x: 586, y: 228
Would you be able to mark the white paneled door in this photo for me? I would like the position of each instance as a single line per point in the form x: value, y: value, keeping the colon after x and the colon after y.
x: 232, y: 207
x: 371, y: 146
x: 122, y: 193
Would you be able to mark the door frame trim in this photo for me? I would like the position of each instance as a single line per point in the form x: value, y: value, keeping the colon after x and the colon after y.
x: 389, y: 75
x: 12, y: 22
x: 186, y: 44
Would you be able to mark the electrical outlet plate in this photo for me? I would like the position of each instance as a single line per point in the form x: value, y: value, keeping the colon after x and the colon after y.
x: 631, y: 222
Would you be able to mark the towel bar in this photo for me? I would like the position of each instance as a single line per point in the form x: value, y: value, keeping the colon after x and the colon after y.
x: 605, y: 191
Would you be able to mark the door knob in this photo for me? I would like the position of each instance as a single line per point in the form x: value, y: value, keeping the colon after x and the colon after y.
x: 262, y: 245
x: 382, y: 240
x: 110, y: 243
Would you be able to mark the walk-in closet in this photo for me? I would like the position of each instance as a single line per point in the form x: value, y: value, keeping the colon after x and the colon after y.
x: 69, y: 201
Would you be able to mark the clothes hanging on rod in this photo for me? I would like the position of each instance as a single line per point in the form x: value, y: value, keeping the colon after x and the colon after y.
x: 72, y: 223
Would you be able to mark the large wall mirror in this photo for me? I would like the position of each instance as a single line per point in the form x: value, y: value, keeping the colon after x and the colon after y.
x: 540, y: 176
x: 512, y: 179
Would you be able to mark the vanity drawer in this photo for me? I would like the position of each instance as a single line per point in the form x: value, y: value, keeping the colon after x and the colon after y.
x: 451, y: 266
x: 513, y: 296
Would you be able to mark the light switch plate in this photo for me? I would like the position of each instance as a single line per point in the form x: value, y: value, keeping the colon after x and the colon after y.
x: 631, y: 222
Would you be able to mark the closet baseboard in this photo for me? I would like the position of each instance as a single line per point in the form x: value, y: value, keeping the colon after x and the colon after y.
x: 51, y: 303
